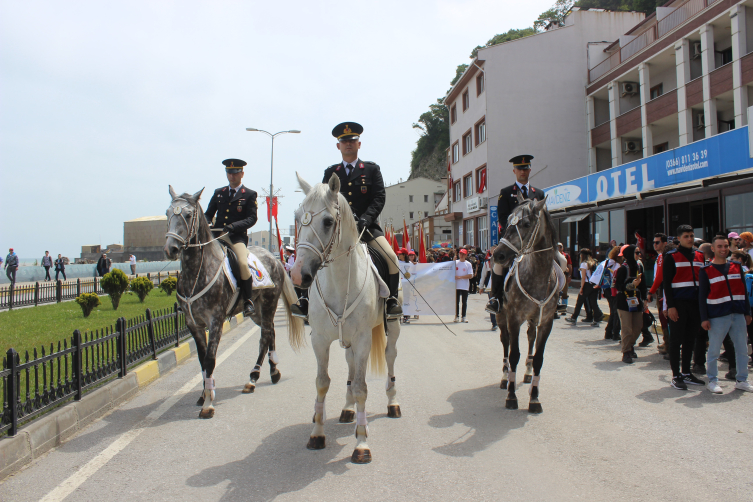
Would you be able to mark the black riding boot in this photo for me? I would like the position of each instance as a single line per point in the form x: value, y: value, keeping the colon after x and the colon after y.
x: 247, y: 291
x: 496, y: 298
x: 394, y: 309
x: 301, y: 309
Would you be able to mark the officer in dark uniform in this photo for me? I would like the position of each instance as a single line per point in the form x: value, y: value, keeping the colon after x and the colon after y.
x: 508, y: 201
x: 235, y: 207
x: 362, y: 186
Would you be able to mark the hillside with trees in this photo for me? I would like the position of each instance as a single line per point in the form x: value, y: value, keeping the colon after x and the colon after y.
x: 429, y: 157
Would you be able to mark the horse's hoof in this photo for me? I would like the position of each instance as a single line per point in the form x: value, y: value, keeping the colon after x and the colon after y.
x: 527, y: 378
x: 361, y: 456
x: 249, y: 388
x: 511, y: 404
x: 393, y: 411
x: 503, y: 384
x: 276, y: 377
x: 206, y: 413
x: 347, y: 416
x: 200, y: 402
x: 534, y: 408
x: 316, y: 443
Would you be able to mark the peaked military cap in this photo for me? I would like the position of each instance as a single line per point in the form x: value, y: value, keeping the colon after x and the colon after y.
x: 347, y: 130
x: 522, y: 161
x: 234, y: 165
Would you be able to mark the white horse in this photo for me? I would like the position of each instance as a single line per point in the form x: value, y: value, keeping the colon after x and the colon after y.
x: 344, y: 305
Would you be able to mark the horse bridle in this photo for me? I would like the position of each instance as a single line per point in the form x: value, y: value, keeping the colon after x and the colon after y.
x: 526, y: 250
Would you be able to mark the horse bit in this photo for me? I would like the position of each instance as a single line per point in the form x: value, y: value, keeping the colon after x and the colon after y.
x: 324, y: 254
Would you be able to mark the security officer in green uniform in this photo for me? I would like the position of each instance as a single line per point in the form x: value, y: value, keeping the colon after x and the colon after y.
x: 508, y: 201
x: 362, y: 186
x: 235, y: 207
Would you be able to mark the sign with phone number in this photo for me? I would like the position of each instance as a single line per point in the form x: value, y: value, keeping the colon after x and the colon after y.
x: 720, y: 154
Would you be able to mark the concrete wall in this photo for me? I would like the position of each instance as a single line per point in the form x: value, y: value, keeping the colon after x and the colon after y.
x: 34, y: 274
x: 535, y: 91
x: 144, y: 234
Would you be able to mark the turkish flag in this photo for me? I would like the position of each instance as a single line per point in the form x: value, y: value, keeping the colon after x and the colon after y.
x: 271, y: 208
x: 406, y: 237
x: 279, y: 240
x: 482, y: 181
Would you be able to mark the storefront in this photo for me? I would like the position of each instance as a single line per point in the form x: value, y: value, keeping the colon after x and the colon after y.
x: 707, y: 184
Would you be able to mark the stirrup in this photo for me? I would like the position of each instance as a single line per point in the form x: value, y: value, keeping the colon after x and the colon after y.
x: 248, y: 308
x: 393, y: 315
x: 489, y: 307
x: 297, y: 311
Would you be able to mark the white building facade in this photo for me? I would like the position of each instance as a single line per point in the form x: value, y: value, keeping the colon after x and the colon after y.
x: 413, y: 200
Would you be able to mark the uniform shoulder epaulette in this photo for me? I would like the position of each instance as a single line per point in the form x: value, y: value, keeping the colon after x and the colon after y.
x: 220, y: 189
x: 370, y: 163
x: 333, y: 166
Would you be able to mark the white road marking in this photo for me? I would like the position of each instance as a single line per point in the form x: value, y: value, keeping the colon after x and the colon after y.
x: 79, y: 477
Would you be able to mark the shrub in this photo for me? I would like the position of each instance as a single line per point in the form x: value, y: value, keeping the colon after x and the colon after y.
x: 114, y: 283
x: 141, y: 286
x: 169, y: 285
x: 88, y: 301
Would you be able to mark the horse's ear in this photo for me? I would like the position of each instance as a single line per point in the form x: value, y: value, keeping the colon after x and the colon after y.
x: 172, y: 192
x: 303, y: 184
x: 334, y: 184
x: 540, y: 205
x: 195, y: 197
x: 521, y: 200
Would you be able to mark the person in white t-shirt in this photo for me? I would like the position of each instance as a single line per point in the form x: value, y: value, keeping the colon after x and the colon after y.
x: 588, y: 293
x: 132, y: 261
x: 463, y: 274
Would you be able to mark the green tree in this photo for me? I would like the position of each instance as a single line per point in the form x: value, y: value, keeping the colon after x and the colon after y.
x: 554, y: 16
x: 169, y: 285
x: 645, y: 6
x: 141, y: 286
x: 88, y: 301
x: 114, y: 283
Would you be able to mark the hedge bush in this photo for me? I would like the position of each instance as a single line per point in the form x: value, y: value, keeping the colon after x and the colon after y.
x: 114, y: 283
x: 141, y: 286
x: 169, y: 285
x: 88, y: 301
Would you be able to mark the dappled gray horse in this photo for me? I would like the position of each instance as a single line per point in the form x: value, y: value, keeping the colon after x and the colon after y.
x: 207, y: 297
x: 531, y: 287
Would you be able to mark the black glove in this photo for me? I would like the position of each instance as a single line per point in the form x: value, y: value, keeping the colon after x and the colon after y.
x: 363, y: 223
x: 228, y: 228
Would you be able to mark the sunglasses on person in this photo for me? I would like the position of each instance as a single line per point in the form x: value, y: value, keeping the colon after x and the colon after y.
x: 656, y: 243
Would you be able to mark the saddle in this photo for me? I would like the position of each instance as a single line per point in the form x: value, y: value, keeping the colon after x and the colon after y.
x: 232, y: 258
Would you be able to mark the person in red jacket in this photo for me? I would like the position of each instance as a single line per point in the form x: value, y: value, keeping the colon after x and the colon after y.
x: 680, y: 280
x: 724, y: 308
x: 660, y: 246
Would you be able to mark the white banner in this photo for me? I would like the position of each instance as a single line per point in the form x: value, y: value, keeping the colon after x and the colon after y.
x: 435, y: 281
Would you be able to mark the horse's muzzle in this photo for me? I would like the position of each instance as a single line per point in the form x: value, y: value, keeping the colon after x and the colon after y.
x: 171, y: 251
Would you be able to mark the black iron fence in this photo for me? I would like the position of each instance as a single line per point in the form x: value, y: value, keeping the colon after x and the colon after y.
x: 33, y: 384
x: 58, y: 291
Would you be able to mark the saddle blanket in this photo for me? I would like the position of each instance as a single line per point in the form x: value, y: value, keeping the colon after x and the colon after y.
x: 259, y: 273
x: 384, y: 290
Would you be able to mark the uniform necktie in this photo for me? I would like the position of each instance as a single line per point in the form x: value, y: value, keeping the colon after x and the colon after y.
x: 524, y: 189
x: 232, y: 193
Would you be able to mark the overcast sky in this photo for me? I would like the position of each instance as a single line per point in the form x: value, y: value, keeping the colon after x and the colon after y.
x: 103, y: 104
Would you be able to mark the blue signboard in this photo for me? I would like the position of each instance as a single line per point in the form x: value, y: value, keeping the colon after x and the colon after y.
x: 493, y: 225
x: 721, y: 154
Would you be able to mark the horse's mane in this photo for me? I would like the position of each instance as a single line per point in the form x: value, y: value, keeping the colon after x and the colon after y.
x: 321, y: 192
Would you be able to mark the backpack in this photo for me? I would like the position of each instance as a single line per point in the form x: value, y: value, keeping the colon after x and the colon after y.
x: 749, y: 286
x: 606, y: 277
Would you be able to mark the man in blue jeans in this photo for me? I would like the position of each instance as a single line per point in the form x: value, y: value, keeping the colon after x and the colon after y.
x: 724, y: 307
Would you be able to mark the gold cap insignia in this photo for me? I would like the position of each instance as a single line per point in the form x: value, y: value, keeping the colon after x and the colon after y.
x: 347, y: 129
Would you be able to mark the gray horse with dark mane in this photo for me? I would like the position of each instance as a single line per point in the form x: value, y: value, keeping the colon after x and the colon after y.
x: 207, y: 297
x: 531, y: 286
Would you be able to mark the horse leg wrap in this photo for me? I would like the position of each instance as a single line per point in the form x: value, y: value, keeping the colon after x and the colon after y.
x: 511, y: 377
x: 209, y: 383
x: 320, y: 409
x: 361, y: 420
x: 534, y: 383
x: 273, y: 357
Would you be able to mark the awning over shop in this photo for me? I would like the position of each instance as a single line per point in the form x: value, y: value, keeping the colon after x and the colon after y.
x: 577, y: 217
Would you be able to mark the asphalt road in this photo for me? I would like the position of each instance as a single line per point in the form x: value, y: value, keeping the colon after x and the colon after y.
x: 608, y: 431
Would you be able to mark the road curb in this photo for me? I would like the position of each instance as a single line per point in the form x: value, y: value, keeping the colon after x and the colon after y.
x: 54, y: 428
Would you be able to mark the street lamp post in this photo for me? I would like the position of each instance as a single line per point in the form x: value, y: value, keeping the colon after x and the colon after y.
x: 271, y: 172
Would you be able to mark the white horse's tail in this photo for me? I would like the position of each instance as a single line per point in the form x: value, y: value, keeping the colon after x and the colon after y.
x: 296, y: 329
x: 377, y: 357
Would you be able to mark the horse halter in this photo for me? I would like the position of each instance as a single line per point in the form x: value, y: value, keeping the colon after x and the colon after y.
x: 326, y: 251
x: 527, y: 248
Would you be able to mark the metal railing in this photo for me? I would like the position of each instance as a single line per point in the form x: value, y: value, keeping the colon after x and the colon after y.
x: 36, y: 383
x: 675, y: 18
x: 58, y: 291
